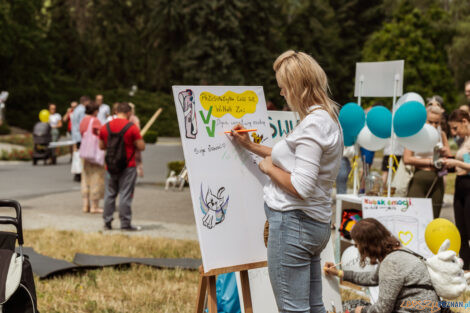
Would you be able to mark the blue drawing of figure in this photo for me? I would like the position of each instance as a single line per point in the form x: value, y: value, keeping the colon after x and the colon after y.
x: 214, y: 207
x: 188, y: 104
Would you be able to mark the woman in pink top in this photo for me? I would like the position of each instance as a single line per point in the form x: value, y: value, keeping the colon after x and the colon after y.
x: 92, y: 174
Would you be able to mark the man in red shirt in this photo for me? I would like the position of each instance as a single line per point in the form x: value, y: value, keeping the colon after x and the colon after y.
x: 122, y: 183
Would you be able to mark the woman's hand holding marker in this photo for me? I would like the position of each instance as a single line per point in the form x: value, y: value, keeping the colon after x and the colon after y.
x: 330, y: 269
x: 241, y: 138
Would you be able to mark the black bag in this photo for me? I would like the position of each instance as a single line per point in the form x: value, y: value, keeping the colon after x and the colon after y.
x: 116, y: 157
x: 23, y: 299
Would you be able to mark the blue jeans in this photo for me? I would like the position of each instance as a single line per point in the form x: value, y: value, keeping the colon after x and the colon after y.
x: 294, y: 246
x: 343, y: 175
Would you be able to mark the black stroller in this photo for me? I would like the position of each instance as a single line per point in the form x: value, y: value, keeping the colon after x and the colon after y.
x: 41, y: 139
x: 17, y: 289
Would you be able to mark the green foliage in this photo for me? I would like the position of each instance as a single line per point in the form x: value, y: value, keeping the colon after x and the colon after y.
x: 418, y: 37
x: 5, y: 129
x: 151, y: 136
x: 176, y: 166
x: 57, y: 50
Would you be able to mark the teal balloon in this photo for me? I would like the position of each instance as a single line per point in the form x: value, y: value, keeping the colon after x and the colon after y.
x: 379, y: 121
x: 349, y: 140
x: 409, y: 119
x: 352, y: 119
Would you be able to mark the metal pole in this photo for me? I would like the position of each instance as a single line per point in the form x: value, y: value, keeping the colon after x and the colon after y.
x: 393, y: 137
x: 356, y: 146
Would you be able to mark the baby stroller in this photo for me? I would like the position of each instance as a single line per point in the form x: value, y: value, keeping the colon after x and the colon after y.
x: 42, y: 138
x: 17, y: 290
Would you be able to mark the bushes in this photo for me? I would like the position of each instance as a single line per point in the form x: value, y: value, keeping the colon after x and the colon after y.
x: 5, y: 129
x: 151, y: 136
x: 176, y: 166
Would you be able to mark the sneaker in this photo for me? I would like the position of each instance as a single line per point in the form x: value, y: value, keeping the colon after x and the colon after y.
x: 107, y: 226
x: 131, y: 228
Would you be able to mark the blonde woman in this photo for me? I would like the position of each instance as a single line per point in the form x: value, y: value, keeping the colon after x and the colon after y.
x: 302, y: 169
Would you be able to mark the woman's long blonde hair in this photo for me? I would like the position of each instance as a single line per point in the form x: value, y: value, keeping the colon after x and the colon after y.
x: 305, y: 83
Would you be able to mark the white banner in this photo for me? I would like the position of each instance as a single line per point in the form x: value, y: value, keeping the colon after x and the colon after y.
x: 405, y: 218
x: 226, y: 184
x: 282, y: 123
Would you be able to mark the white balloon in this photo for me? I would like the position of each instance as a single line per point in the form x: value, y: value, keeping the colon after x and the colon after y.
x: 409, y: 96
x: 423, y: 141
x: 370, y: 141
x: 350, y: 261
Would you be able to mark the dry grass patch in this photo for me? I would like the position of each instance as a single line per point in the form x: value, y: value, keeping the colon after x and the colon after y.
x: 138, y: 288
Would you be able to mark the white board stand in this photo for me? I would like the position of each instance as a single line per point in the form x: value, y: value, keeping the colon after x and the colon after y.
x: 375, y: 79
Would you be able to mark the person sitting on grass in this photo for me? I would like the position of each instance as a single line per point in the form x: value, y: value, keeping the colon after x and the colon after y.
x: 400, y: 274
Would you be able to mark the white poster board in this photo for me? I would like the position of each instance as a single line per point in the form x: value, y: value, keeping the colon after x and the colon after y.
x: 282, y: 123
x: 226, y: 184
x: 378, y: 78
x: 405, y: 218
x: 262, y: 295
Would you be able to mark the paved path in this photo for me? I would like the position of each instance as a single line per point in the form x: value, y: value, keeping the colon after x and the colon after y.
x: 20, y: 180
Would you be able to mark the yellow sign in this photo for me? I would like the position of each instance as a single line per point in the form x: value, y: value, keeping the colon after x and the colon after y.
x: 236, y: 104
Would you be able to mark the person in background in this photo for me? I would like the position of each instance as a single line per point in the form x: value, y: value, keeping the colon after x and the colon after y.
x: 55, y: 121
x: 398, y: 153
x: 138, y: 155
x: 77, y: 117
x: 68, y: 119
x: 114, y: 115
x: 270, y: 106
x: 124, y: 182
x: 467, y: 91
x: 465, y: 107
x: 426, y: 181
x: 92, y: 185
x: 459, y: 122
x: 438, y: 101
x: 104, y: 110
x: 344, y: 169
x: 400, y: 274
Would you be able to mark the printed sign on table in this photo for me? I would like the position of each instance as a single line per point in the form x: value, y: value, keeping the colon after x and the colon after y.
x: 226, y: 183
x: 405, y: 218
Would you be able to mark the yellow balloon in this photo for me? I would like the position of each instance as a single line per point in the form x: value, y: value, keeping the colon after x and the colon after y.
x: 439, y: 230
x: 44, y: 116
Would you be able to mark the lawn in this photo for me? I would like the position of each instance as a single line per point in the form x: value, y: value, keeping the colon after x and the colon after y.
x: 139, y: 289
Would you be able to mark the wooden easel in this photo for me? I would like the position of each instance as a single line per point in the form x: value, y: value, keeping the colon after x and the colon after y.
x: 207, y: 286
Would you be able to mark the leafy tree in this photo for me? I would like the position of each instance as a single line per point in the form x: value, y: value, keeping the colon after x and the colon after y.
x: 25, y: 62
x: 418, y: 38
x: 356, y: 20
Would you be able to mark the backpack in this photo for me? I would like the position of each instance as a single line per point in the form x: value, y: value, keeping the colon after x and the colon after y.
x: 116, y: 157
x: 447, y: 276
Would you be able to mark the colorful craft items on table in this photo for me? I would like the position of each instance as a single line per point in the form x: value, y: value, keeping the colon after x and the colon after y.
x: 438, y: 231
x: 373, y: 133
x: 44, y: 116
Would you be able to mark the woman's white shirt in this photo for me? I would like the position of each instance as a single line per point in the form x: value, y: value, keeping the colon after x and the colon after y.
x: 311, y: 154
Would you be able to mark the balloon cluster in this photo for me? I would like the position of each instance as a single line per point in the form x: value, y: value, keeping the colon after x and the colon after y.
x: 374, y: 131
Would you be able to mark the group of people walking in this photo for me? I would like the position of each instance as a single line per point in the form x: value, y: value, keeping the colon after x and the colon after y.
x: 106, y: 155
